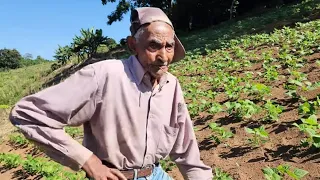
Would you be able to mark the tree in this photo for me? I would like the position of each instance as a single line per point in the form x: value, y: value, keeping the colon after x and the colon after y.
x: 39, y: 58
x: 199, y: 13
x: 89, y: 41
x: 63, y: 54
x: 9, y: 58
x: 28, y: 56
x: 123, y: 42
x: 124, y: 6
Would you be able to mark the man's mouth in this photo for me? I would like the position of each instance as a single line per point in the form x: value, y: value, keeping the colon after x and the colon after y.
x: 162, y: 67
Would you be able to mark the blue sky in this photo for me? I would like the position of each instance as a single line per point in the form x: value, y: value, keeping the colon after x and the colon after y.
x: 38, y: 26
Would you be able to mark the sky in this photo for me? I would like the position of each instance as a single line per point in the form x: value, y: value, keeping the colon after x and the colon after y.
x: 39, y: 26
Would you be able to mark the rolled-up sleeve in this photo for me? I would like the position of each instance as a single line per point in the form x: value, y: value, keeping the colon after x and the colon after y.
x: 42, y: 116
x: 185, y: 152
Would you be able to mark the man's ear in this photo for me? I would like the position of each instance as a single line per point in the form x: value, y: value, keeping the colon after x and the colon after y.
x: 131, y: 41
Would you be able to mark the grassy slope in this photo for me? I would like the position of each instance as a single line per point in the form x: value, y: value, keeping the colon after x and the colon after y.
x: 14, y: 84
x: 201, y: 63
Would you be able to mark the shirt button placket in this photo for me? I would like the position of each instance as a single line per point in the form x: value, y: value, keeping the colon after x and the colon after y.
x: 147, y: 158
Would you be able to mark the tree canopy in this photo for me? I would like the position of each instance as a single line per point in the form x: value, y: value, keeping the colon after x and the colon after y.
x: 9, y: 58
x: 86, y: 44
x: 195, y: 13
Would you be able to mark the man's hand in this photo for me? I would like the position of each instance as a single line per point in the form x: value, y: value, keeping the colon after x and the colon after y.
x: 95, y: 169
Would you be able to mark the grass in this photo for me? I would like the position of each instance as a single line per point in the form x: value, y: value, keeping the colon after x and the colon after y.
x: 15, y: 84
x: 218, y: 77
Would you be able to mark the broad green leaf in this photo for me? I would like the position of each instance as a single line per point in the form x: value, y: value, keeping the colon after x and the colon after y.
x: 291, y: 174
x: 213, y: 125
x: 300, y: 173
x: 310, y: 131
x: 270, y: 174
x: 249, y: 130
x: 263, y: 134
x: 312, y: 120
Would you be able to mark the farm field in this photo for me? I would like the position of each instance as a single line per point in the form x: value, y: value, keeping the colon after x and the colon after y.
x: 253, y: 92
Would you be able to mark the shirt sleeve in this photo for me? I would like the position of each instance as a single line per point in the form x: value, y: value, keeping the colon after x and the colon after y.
x: 185, y: 152
x: 42, y: 116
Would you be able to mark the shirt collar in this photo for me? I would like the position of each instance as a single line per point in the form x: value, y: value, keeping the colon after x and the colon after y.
x: 136, y: 69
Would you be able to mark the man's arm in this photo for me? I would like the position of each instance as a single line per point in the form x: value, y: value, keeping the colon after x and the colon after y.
x: 185, y: 152
x: 42, y: 116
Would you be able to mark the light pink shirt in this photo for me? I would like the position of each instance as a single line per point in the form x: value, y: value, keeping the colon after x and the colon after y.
x: 126, y: 121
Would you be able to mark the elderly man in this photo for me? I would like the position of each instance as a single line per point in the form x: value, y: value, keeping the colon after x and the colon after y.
x: 132, y: 110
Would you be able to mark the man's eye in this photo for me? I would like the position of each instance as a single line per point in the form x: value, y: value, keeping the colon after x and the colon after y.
x: 170, y: 47
x: 153, y: 45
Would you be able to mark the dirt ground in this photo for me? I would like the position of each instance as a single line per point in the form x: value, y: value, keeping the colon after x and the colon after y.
x: 245, y: 162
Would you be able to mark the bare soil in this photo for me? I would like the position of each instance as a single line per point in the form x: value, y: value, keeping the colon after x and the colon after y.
x: 245, y: 162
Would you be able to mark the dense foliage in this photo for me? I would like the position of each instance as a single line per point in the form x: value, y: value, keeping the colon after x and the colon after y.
x: 9, y: 59
x: 12, y: 59
x: 84, y: 46
x: 200, y: 13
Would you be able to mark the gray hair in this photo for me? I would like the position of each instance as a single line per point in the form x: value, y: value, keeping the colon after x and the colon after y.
x: 139, y: 33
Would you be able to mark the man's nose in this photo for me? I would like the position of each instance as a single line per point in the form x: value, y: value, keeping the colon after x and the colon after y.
x: 162, y: 55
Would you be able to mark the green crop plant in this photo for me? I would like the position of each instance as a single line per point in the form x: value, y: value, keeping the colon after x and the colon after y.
x: 167, y: 164
x: 219, y: 133
x: 260, y: 91
x: 219, y: 174
x: 39, y: 166
x: 18, y: 139
x: 307, y: 108
x: 316, y: 103
x: 233, y: 92
x: 211, y: 94
x: 271, y: 72
x: 232, y: 87
x: 10, y: 160
x: 267, y: 56
x: 74, y: 131
x: 215, y: 108
x: 242, y: 108
x: 240, y: 53
x: 232, y: 108
x: 273, y: 110
x: 312, y: 128
x: 260, y: 136
x: 297, y: 80
x: 32, y: 165
x: 279, y: 172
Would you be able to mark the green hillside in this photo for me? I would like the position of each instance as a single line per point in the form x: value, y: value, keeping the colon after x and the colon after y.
x: 16, y: 83
x: 252, y: 86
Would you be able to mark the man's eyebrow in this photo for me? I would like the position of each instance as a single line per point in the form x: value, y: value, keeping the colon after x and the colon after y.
x: 157, y: 41
x: 171, y: 42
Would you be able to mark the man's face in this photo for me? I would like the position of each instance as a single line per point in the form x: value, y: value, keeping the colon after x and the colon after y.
x: 155, y: 48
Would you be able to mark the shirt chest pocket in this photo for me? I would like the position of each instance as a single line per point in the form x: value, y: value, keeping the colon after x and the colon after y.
x: 167, y: 137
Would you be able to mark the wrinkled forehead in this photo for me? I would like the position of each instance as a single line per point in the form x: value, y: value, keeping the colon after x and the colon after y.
x: 160, y: 29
